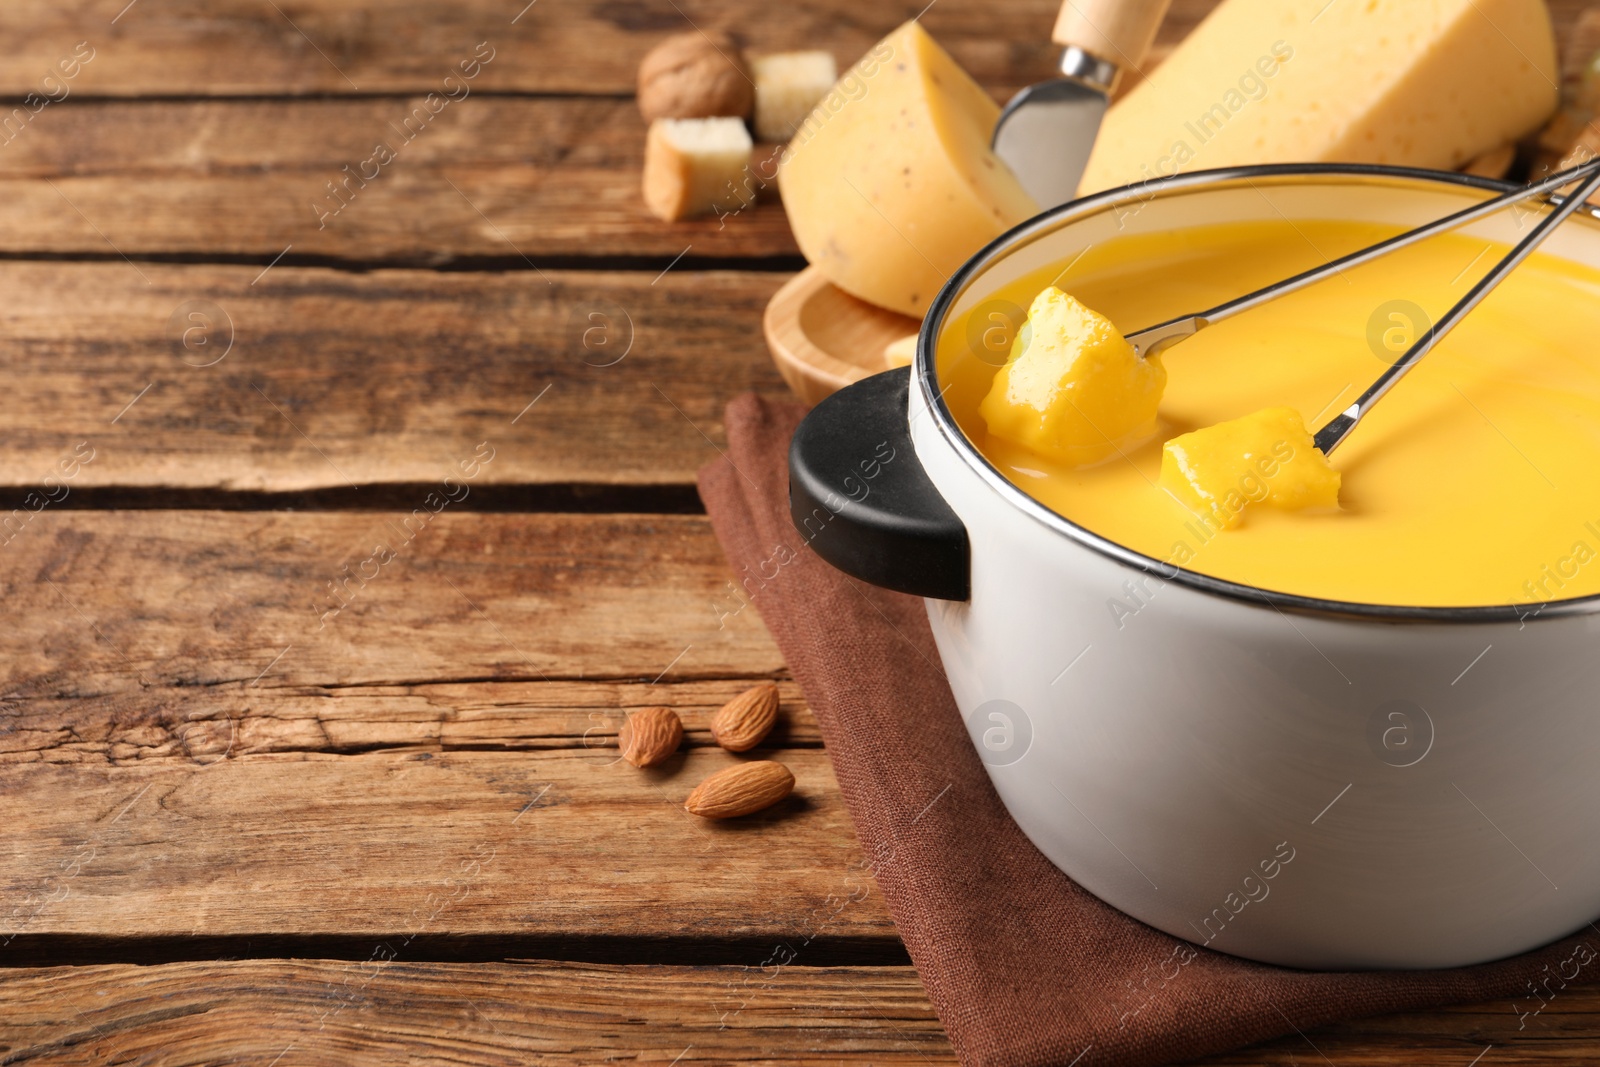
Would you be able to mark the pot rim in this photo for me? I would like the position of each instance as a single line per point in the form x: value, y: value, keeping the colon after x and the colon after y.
x: 1047, y: 221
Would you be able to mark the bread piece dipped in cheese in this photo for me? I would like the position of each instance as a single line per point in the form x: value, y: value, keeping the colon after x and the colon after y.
x: 1267, y: 458
x: 1421, y: 83
x: 1074, y: 391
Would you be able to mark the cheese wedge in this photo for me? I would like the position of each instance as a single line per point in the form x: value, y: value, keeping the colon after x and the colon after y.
x: 1422, y: 83
x: 890, y: 184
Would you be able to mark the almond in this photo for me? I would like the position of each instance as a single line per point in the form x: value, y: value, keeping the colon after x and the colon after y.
x: 740, y: 790
x: 746, y: 719
x: 649, y: 736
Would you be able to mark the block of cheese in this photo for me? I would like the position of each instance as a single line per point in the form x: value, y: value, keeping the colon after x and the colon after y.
x: 788, y: 86
x: 890, y: 184
x: 1422, y: 83
x: 696, y: 166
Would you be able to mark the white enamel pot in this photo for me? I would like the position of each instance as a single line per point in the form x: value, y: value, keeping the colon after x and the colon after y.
x: 1292, y: 780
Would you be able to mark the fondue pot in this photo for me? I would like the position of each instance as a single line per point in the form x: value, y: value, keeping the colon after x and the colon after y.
x: 1300, y: 781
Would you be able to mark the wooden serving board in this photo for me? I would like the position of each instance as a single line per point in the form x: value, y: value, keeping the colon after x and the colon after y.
x: 822, y: 338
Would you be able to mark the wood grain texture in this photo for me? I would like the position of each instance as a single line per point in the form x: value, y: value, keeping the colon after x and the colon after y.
x: 569, y: 849
x: 187, y: 727
x: 241, y: 47
x: 516, y: 181
x: 132, y: 602
x: 397, y: 1011
x: 339, y: 47
x: 386, y: 1008
x: 181, y: 725
x: 340, y: 379
x: 1491, y: 1035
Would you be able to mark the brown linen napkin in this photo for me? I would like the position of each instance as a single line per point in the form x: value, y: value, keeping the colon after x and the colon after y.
x: 1024, y: 968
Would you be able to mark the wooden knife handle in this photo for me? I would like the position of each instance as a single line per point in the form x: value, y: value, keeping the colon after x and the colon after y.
x: 1117, y: 31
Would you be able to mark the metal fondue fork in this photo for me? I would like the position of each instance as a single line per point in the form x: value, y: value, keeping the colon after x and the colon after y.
x: 1157, y: 338
x: 1338, y: 428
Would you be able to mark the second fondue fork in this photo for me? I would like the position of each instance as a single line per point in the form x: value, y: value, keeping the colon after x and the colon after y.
x: 1339, y: 427
x: 1150, y: 341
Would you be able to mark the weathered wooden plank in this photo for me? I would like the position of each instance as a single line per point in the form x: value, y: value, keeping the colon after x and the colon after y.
x: 139, y: 602
x: 387, y: 1008
x: 195, y: 725
x: 1496, y: 1034
x: 338, y: 379
x: 237, y: 47
x: 504, y: 178
x: 231, y: 733
x: 523, y: 182
x: 565, y: 848
x: 396, y: 1011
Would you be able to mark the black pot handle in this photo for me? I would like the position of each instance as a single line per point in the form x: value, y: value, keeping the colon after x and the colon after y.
x: 862, y: 501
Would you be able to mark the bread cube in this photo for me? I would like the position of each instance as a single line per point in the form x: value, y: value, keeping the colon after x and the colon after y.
x: 788, y: 86
x: 696, y: 167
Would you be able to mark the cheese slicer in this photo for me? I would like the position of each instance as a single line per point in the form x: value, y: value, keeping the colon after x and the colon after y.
x: 1046, y: 132
x: 1155, y: 339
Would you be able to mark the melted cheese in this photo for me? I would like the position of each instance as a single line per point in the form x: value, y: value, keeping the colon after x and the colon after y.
x: 1472, y: 483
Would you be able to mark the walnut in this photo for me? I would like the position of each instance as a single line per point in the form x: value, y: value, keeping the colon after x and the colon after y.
x: 695, y: 75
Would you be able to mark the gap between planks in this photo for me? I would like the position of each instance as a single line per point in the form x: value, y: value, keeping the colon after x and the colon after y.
x: 699, y: 950
x: 573, y: 498
x: 436, y: 262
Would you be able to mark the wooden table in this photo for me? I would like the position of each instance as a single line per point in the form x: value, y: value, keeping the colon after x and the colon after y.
x: 349, y: 523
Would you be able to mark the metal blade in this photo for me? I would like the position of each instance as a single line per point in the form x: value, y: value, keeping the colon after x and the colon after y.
x: 1045, y: 135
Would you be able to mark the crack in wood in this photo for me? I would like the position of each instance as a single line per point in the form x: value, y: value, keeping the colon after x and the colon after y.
x: 36, y: 950
x: 759, y: 263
